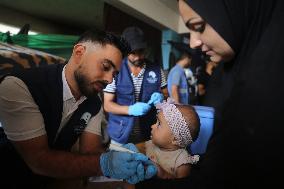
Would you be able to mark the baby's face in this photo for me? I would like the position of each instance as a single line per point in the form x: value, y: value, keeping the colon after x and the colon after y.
x: 161, y: 133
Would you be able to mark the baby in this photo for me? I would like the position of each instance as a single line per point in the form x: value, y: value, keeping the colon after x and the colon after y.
x: 177, y: 127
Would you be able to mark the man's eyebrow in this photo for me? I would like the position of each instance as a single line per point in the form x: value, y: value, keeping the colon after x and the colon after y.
x: 111, y: 63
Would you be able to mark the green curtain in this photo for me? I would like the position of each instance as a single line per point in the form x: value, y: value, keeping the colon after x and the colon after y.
x: 60, y: 45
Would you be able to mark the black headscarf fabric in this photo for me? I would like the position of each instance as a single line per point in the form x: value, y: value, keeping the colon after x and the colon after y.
x: 234, y: 19
x: 250, y: 142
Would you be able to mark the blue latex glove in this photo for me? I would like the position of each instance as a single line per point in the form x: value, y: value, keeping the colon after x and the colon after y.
x: 130, y: 146
x: 140, y: 176
x: 151, y: 169
x: 138, y: 109
x: 146, y: 169
x: 156, y: 98
x: 123, y: 165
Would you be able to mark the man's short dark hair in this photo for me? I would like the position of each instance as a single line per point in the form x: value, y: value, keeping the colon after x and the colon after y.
x: 184, y: 55
x: 103, y: 38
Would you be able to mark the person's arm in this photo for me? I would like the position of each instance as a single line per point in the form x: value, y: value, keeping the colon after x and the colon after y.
x: 182, y: 164
x: 183, y: 171
x: 209, y: 67
x: 165, y: 92
x: 53, y: 163
x: 164, y: 88
x: 137, y: 109
x: 90, y: 143
x: 24, y: 126
x: 201, y: 89
x: 175, y: 93
x: 112, y: 107
x: 109, y: 104
x: 61, y: 164
x: 175, y: 79
x: 163, y: 174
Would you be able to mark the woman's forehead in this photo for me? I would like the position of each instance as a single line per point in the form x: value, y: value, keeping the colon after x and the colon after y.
x: 188, y: 14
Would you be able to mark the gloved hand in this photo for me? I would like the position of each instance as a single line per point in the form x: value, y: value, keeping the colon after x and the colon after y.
x: 123, y: 165
x: 140, y: 176
x: 145, y: 170
x: 130, y: 146
x: 150, y: 167
x: 138, y: 109
x: 156, y: 98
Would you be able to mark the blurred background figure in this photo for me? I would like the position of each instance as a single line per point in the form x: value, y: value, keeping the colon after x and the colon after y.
x: 178, y: 88
x: 203, y: 78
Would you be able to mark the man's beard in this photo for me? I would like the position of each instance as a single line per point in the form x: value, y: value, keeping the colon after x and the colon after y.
x: 84, y: 85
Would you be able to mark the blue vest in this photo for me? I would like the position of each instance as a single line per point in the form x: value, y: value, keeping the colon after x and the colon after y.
x: 120, y: 126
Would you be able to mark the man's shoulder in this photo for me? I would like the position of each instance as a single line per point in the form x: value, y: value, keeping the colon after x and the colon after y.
x: 13, y: 88
x: 12, y: 82
x: 175, y: 69
x: 36, y: 73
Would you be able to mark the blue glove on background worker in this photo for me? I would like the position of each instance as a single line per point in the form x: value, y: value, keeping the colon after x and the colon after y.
x: 138, y: 109
x: 156, y: 98
x: 141, y: 108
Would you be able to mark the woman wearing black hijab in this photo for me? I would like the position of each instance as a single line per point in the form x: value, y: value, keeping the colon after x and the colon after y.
x: 245, y: 151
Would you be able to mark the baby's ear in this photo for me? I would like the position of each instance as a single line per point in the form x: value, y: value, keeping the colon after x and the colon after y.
x: 175, y: 142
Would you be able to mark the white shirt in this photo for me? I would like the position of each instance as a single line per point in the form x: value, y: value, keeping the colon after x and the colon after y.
x: 137, y: 82
x: 70, y: 105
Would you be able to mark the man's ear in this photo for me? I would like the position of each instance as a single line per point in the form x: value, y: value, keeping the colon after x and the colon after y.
x: 79, y: 50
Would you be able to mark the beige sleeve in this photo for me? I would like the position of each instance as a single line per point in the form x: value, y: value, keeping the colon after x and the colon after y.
x: 95, y: 124
x: 19, y: 114
x: 183, y: 158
